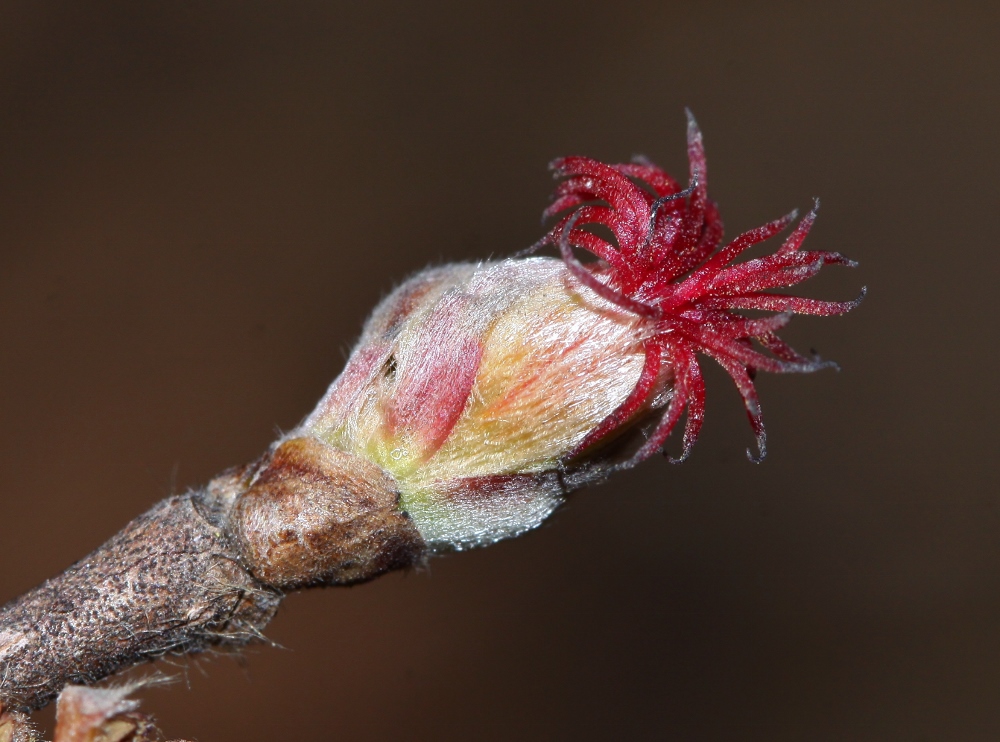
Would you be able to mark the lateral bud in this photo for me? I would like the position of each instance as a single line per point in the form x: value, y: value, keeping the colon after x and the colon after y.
x: 316, y: 515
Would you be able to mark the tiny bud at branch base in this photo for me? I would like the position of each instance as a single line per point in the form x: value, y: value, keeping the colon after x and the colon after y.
x: 318, y: 516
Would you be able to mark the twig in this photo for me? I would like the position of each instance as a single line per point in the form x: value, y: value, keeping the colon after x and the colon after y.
x: 204, y: 569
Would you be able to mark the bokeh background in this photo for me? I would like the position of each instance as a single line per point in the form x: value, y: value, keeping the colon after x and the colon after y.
x: 200, y: 202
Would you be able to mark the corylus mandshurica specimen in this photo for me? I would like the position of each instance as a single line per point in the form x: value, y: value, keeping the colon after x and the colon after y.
x: 477, y: 398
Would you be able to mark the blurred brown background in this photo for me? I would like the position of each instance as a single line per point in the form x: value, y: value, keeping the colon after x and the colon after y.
x: 199, y: 203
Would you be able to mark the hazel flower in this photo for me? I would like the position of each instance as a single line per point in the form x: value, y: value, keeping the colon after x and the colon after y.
x: 487, y: 391
x: 478, y: 396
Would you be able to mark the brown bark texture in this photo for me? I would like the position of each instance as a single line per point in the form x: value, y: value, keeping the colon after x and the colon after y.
x: 205, y: 569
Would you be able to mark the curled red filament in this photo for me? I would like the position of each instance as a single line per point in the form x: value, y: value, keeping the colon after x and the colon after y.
x: 667, y: 266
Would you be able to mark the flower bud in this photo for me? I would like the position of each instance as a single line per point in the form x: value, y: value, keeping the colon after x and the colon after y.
x: 484, y: 392
x: 473, y: 385
x: 478, y: 396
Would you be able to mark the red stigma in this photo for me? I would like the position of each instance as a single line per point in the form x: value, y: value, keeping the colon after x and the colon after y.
x: 667, y: 267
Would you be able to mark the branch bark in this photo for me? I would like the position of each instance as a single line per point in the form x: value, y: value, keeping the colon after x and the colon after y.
x: 205, y: 569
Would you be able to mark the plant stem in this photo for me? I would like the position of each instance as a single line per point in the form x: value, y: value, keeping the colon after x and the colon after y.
x: 205, y: 569
x: 168, y: 582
